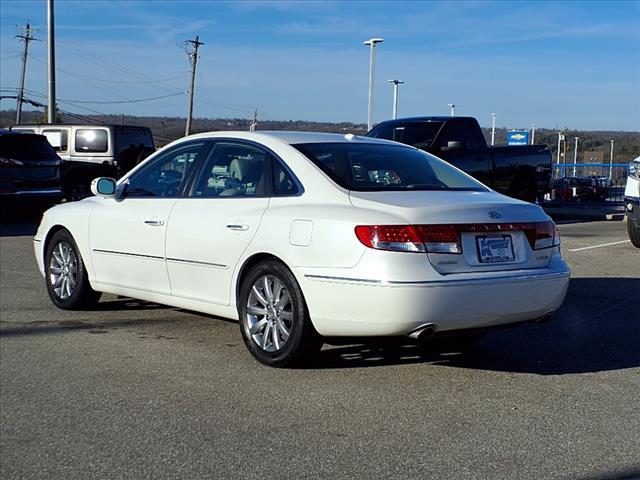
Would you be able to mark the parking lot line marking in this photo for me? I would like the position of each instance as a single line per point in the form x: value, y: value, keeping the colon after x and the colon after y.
x: 598, y: 246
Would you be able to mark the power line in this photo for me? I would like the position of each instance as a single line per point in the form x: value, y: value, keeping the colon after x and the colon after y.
x: 126, y: 101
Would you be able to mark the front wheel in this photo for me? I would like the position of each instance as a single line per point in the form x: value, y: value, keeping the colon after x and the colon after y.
x: 633, y: 229
x: 274, y: 320
x: 65, y: 273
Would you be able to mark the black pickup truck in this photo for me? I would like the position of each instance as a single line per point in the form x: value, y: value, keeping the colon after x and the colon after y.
x: 521, y: 171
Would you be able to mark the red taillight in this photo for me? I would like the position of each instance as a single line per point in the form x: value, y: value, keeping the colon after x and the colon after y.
x: 446, y: 238
x: 409, y: 238
x: 10, y: 162
x: 542, y: 235
x: 403, y: 238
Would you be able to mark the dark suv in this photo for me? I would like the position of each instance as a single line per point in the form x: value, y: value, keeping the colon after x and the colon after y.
x: 29, y: 167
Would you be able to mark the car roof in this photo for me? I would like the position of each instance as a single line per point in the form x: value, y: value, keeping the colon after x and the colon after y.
x: 440, y: 118
x: 296, y: 137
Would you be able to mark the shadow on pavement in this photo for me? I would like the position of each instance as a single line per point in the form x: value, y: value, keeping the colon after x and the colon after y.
x: 597, y: 329
x: 628, y: 474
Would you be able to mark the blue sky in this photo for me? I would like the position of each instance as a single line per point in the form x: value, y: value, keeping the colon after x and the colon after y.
x: 556, y: 64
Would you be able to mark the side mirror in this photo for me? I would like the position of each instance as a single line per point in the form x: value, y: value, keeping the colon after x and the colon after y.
x: 103, y: 187
x: 453, y: 146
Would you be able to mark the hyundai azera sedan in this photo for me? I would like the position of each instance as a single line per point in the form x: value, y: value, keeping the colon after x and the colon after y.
x: 304, y: 236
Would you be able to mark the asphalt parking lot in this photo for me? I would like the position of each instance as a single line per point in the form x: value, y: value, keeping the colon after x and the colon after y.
x: 137, y: 390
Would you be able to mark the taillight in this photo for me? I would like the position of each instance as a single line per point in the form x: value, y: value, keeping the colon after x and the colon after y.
x: 446, y: 238
x: 542, y: 235
x: 409, y: 238
x: 9, y: 162
x: 400, y: 238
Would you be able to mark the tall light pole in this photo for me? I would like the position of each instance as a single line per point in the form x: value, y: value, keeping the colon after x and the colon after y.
x: 611, y: 161
x: 51, y: 49
x: 493, y: 129
x: 452, y: 106
x: 533, y: 133
x: 575, y: 155
x: 395, y: 96
x: 372, y: 42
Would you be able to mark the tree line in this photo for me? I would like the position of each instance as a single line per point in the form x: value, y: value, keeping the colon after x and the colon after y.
x: 592, y: 145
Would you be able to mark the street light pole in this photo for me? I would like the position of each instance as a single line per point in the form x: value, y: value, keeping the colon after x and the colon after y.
x: 51, y: 50
x: 611, y: 161
x: 395, y: 96
x: 575, y: 155
x: 372, y: 42
x: 493, y: 129
x: 452, y: 106
x: 533, y: 133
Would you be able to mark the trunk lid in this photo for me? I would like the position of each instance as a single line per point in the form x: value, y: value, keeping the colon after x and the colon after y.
x: 493, y: 230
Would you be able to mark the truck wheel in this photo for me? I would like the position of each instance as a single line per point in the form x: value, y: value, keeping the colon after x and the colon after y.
x: 274, y: 320
x: 633, y: 229
x: 67, y: 281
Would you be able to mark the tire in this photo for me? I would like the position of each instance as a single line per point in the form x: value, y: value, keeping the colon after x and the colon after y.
x: 274, y: 319
x: 633, y: 229
x: 65, y: 274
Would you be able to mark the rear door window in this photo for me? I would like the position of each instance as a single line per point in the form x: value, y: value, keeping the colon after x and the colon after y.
x: 92, y: 140
x: 58, y: 138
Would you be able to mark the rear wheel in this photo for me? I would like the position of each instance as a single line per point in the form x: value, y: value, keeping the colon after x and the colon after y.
x: 65, y: 273
x: 633, y: 229
x: 274, y: 320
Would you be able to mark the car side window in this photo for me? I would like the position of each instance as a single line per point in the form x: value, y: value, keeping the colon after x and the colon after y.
x: 92, y: 140
x: 232, y: 170
x: 163, y: 177
x: 283, y: 182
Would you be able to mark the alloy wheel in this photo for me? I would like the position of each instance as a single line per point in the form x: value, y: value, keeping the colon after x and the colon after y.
x: 63, y: 270
x: 269, y: 313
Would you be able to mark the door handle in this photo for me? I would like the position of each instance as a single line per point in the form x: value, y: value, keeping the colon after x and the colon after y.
x: 154, y: 223
x: 238, y: 228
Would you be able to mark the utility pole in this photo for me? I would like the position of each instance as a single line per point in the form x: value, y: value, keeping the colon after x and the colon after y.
x: 26, y: 37
x: 254, y: 121
x: 51, y: 108
x: 192, y: 55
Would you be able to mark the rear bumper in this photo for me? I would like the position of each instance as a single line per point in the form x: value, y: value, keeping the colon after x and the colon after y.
x: 351, y: 307
x: 632, y: 209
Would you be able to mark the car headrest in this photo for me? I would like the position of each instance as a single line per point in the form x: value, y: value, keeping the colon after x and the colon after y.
x: 246, y: 170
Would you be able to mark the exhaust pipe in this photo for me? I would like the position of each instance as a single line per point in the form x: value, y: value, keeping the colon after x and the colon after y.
x: 423, y: 332
x: 546, y: 318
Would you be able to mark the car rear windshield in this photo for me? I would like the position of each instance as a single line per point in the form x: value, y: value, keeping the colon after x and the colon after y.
x: 378, y: 167
x: 26, y: 147
x: 417, y: 134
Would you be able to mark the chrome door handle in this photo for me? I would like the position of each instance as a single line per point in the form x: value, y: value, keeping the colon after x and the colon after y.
x: 238, y: 228
x: 154, y: 223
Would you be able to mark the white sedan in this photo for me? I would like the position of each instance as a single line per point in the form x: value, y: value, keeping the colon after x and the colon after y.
x: 303, y: 236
